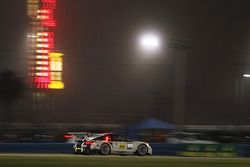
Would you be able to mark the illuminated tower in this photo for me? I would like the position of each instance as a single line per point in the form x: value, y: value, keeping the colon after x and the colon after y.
x: 45, y: 65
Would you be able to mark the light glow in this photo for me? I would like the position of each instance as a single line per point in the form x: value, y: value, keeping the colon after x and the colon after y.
x: 42, y: 51
x: 89, y: 142
x: 42, y: 68
x: 149, y: 42
x: 44, y: 11
x: 41, y: 85
x: 42, y: 74
x: 43, y: 34
x: 32, y: 36
x: 42, y: 45
x: 42, y: 40
x: 56, y: 85
x: 55, y: 76
x: 42, y: 62
x: 68, y: 136
x: 49, y: 1
x: 45, y: 66
x: 246, y: 75
x: 41, y: 80
x: 56, y: 61
x: 49, y: 23
x: 42, y: 57
x: 52, y: 55
x: 56, y: 65
x: 43, y: 17
x: 107, y: 138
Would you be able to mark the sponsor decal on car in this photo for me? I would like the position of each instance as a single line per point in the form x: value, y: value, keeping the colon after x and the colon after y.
x: 130, y: 146
x: 122, y: 146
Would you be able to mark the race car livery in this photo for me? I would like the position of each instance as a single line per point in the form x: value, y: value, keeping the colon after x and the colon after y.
x: 111, y: 143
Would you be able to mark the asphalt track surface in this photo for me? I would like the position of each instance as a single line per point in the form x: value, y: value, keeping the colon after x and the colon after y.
x: 109, y: 156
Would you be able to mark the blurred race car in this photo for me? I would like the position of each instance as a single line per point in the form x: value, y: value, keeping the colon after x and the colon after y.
x: 111, y: 143
x: 80, y: 140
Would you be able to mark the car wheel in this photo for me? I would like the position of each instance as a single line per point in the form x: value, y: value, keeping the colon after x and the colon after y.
x: 104, y: 149
x: 142, y: 150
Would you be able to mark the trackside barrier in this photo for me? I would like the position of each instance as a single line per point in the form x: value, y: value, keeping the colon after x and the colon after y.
x: 36, y: 148
x: 204, y: 150
x: 214, y: 150
x: 243, y: 150
x: 209, y: 150
x: 165, y: 149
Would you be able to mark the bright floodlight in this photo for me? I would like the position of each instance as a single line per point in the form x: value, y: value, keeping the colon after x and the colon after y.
x: 150, y: 42
x: 246, y: 75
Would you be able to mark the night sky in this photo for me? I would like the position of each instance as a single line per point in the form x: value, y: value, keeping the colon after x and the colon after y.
x: 109, y: 80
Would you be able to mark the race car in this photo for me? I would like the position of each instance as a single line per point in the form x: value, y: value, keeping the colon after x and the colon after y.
x: 80, y: 140
x: 111, y: 143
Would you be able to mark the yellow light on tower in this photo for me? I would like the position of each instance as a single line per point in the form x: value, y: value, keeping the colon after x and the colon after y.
x: 56, y: 68
x: 56, y: 85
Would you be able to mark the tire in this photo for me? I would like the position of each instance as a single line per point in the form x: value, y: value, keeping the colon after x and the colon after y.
x: 142, y: 150
x: 105, y: 149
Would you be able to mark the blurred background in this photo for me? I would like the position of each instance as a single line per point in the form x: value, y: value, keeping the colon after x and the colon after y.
x: 161, y: 71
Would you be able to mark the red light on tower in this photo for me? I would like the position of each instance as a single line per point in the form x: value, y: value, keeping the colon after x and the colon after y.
x: 50, y: 23
x: 49, y: 1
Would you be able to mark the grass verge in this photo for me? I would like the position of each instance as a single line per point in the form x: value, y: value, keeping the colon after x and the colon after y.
x: 39, y: 160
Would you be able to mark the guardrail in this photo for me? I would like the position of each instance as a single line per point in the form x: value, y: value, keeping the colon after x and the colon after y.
x: 207, y: 150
